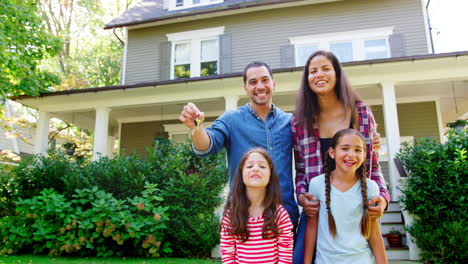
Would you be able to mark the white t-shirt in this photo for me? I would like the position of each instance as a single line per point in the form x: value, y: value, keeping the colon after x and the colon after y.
x: 349, y: 246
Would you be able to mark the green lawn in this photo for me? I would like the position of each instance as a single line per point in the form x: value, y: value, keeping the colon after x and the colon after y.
x: 29, y: 259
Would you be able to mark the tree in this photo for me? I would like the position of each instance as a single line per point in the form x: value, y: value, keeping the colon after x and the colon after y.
x: 23, y: 44
x: 90, y: 56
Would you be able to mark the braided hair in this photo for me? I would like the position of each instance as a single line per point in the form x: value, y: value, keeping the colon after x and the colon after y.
x: 329, y: 166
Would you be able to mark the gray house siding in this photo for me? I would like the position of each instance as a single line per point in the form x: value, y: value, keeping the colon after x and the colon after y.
x: 143, y: 55
x: 260, y: 35
x: 414, y: 119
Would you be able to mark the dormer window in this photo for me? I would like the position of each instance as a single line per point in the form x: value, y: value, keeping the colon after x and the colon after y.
x: 183, y: 4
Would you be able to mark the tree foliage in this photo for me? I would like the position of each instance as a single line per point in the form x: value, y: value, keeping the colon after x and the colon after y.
x: 90, y: 56
x: 23, y: 44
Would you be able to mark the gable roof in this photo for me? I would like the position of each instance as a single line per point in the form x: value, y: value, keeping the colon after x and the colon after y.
x: 150, y: 11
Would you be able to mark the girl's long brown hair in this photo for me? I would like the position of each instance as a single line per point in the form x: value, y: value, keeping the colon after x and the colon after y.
x: 329, y: 166
x: 237, y: 205
x: 307, y: 105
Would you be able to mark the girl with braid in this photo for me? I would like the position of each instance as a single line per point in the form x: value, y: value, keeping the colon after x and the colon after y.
x: 256, y: 228
x: 327, y: 103
x: 343, y: 231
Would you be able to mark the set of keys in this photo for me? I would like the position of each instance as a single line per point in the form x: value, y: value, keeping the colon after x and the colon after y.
x: 197, y: 122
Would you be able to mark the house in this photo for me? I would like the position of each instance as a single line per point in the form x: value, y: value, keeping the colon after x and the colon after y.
x: 18, y: 131
x: 10, y: 144
x: 178, y: 51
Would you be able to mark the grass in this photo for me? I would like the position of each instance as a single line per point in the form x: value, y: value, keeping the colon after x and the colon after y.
x: 30, y: 259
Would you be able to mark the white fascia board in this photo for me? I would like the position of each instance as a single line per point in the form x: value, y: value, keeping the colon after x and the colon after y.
x: 195, y: 34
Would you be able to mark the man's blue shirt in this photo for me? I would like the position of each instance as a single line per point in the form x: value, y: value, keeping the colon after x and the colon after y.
x: 240, y: 130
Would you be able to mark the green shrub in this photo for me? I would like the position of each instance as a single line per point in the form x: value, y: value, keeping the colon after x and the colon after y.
x: 7, y: 204
x: 435, y: 194
x: 43, y: 172
x: 121, y: 176
x: 93, y: 223
x: 190, y: 188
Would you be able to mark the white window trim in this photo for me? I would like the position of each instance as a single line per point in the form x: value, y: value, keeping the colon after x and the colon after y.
x: 357, y: 37
x: 195, y: 37
x: 189, y: 4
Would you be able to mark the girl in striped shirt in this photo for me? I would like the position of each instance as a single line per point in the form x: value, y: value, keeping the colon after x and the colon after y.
x: 255, y: 227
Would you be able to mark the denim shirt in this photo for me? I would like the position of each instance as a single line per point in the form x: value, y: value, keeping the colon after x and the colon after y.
x: 240, y: 130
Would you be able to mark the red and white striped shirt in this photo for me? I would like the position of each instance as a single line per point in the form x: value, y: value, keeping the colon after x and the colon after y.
x: 257, y: 249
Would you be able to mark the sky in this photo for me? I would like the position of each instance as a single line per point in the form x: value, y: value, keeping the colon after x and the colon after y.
x: 449, y: 20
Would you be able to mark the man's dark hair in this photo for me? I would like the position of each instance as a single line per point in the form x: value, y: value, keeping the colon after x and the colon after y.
x: 254, y: 65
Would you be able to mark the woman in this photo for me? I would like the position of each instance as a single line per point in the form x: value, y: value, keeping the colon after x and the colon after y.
x: 325, y: 104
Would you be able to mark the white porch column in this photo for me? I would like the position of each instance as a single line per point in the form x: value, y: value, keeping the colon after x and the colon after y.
x: 231, y: 102
x: 100, y: 132
x: 42, y: 133
x: 392, y: 132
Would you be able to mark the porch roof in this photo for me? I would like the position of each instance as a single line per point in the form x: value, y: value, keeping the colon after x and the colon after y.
x: 439, y: 77
x: 457, y: 56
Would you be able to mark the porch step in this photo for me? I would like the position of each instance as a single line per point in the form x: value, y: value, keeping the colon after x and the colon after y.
x: 392, y: 216
x: 394, y: 206
x: 401, y: 253
x: 393, y: 220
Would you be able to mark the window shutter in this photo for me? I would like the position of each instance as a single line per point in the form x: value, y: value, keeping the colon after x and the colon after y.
x: 165, y: 61
x: 397, y: 47
x: 225, y: 53
x: 288, y: 58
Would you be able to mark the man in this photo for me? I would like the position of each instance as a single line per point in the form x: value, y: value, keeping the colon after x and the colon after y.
x: 256, y: 124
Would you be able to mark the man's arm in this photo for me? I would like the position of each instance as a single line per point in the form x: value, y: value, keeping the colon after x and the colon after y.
x: 200, y: 139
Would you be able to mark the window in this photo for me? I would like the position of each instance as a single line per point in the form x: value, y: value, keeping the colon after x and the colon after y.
x: 303, y: 52
x: 375, y: 49
x: 195, y: 53
x: 343, y: 50
x: 182, y: 53
x: 182, y: 4
x: 347, y: 46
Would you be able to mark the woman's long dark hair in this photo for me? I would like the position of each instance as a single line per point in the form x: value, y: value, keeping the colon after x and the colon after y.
x: 307, y: 105
x: 329, y: 166
x: 238, y: 204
